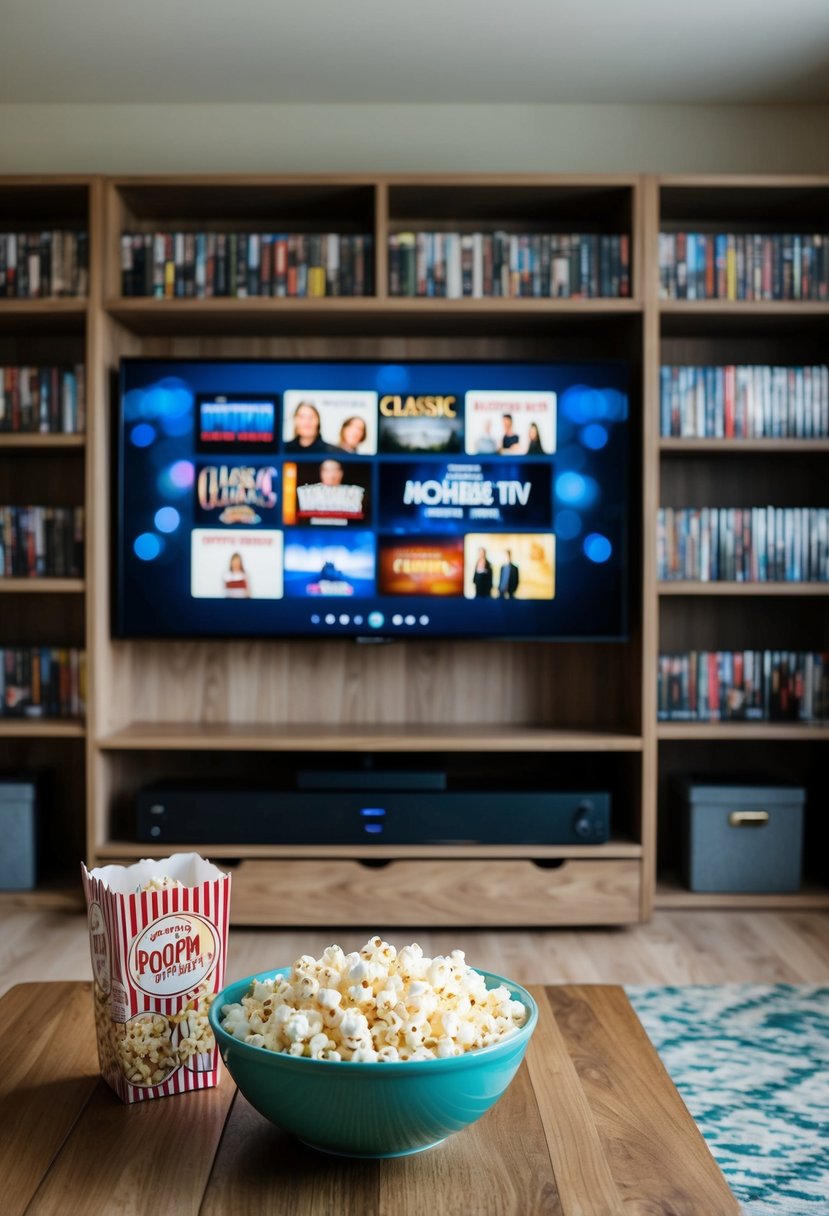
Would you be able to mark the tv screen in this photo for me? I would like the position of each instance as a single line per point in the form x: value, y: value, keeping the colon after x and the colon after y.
x: 373, y: 500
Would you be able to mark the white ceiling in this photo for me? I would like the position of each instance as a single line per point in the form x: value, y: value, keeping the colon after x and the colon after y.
x: 446, y: 51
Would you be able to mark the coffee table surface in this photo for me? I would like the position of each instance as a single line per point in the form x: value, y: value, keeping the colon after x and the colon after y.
x: 591, y: 1126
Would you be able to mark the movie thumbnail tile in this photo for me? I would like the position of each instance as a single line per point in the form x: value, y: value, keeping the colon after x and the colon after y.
x: 509, y: 566
x: 442, y: 495
x: 521, y: 423
x: 431, y: 567
x: 236, y: 493
x: 327, y: 492
x: 235, y: 565
x: 240, y: 422
x: 329, y: 420
x: 405, y: 435
x: 318, y: 566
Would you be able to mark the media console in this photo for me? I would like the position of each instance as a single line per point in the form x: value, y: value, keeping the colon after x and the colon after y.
x: 374, y: 816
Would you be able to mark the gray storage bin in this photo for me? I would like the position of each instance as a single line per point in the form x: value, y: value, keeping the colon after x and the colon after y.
x: 742, y: 838
x: 18, y: 835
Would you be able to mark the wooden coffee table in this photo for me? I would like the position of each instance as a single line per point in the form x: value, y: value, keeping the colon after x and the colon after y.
x: 591, y: 1126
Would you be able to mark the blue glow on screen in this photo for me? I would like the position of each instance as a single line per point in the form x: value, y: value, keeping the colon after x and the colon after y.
x: 147, y: 546
x: 594, y: 436
x: 167, y: 519
x: 597, y: 548
x: 142, y: 435
x: 576, y: 490
x: 392, y: 378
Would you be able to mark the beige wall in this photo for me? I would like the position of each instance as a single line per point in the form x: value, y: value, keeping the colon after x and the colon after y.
x: 371, y: 138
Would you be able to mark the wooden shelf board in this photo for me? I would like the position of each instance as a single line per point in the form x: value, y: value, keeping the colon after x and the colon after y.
x: 180, y: 736
x: 715, y: 447
x: 790, y: 731
x: 613, y: 849
x: 670, y: 893
x: 63, y: 896
x: 341, y: 314
x: 41, y: 728
x: 687, y: 587
x: 43, y: 315
x: 42, y: 586
x: 760, y: 308
x: 35, y: 442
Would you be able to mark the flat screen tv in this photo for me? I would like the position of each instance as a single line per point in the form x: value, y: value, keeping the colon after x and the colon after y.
x: 371, y: 500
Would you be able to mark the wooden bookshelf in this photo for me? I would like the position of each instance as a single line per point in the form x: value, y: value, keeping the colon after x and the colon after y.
x: 47, y: 611
x: 167, y: 709
x: 698, y: 472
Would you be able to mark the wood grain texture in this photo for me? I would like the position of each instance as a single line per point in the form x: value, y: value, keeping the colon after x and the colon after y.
x: 260, y: 1170
x: 590, y: 1126
x: 500, y: 1166
x: 149, y: 1157
x: 449, y: 686
x: 578, y: 1162
x: 40, y: 1104
x: 253, y: 736
x: 645, y: 1130
x: 437, y: 892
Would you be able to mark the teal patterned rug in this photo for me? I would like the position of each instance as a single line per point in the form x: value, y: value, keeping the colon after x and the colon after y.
x: 751, y: 1062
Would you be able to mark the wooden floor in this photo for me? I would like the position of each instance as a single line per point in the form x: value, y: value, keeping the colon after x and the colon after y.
x: 674, y: 948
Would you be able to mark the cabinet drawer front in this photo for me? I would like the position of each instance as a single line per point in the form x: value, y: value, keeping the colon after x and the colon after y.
x: 435, y: 892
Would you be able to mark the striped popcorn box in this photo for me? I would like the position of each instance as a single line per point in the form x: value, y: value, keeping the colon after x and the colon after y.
x: 158, y: 940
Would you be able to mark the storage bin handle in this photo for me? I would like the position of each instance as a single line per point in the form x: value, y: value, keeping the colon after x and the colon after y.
x: 748, y: 819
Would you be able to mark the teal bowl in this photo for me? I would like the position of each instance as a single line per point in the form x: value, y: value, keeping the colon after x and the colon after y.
x: 371, y: 1110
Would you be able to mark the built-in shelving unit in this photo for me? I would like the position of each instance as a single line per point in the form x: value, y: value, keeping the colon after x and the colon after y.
x: 697, y: 472
x: 505, y: 711
x: 50, y: 469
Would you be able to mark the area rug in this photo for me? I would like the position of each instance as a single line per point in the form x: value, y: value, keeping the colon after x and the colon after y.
x: 752, y: 1065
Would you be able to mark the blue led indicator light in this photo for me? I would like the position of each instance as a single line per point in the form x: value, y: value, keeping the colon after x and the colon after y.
x: 372, y: 812
x: 373, y: 827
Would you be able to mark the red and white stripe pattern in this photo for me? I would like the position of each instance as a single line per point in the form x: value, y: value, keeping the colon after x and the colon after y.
x: 125, y: 917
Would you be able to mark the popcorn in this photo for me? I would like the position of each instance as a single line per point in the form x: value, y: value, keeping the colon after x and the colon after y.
x: 160, y: 882
x: 196, y: 1038
x: 375, y: 1005
x: 144, y: 1047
